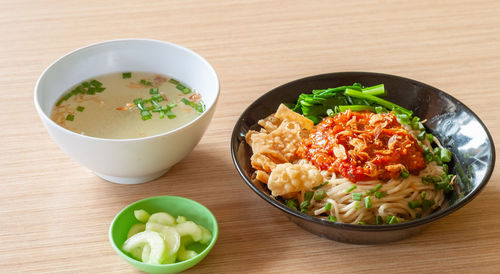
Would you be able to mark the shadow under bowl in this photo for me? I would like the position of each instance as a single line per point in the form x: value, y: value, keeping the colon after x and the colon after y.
x: 453, y: 123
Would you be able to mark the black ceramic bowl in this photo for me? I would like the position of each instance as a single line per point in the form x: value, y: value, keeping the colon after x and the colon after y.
x: 456, y: 126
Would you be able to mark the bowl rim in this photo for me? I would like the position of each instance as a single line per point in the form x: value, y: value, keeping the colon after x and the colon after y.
x: 355, y: 227
x: 45, y: 117
x: 215, y: 235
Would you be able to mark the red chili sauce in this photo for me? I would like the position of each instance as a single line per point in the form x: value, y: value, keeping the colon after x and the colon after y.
x: 363, y: 146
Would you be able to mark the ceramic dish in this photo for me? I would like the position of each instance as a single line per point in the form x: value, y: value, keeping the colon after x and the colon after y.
x: 128, y: 161
x: 458, y: 128
x: 175, y: 206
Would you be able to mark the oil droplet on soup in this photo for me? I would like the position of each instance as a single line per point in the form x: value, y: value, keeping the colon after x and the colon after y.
x: 127, y: 105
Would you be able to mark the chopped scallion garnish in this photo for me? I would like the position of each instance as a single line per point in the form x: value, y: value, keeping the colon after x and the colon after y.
x: 368, y: 202
x: 170, y: 114
x: 84, y: 88
x: 445, y: 155
x: 374, y: 189
x: 70, y: 117
x: 332, y: 218
x: 304, y: 205
x: 394, y: 220
x: 426, y: 204
x: 173, y: 81
x: 96, y: 83
x: 199, y: 107
x: 146, y: 115
x: 430, y: 138
x: 292, y: 203
x: 328, y: 206
x: 80, y: 108
x: 357, y: 196
x: 320, y: 186
x: 404, y: 173
x: 183, y: 89
x: 308, y: 195
x: 414, y: 204
x: 445, y: 168
x: 379, y: 195
x: 126, y: 75
x: 146, y: 83
x: 319, y: 195
x: 421, y: 136
x: 351, y: 188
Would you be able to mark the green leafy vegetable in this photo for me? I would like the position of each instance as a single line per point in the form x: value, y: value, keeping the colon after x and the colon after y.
x: 329, y: 101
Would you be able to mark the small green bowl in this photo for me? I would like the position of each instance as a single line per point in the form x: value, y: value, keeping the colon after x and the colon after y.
x: 175, y: 206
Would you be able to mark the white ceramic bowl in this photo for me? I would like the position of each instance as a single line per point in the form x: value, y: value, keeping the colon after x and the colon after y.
x: 128, y: 161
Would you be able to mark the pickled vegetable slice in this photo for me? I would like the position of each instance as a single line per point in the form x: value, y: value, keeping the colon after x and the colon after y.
x: 172, y: 243
x: 153, y: 240
x: 141, y: 215
x: 136, y: 229
x: 189, y: 228
x: 162, y: 218
x: 185, y: 254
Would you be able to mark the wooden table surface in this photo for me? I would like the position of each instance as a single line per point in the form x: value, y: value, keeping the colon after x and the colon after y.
x: 55, y: 213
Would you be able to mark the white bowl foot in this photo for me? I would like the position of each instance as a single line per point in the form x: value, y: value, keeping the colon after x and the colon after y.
x: 132, y: 180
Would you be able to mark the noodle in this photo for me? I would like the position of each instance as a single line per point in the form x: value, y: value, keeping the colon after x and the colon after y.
x: 395, y: 203
x: 377, y: 199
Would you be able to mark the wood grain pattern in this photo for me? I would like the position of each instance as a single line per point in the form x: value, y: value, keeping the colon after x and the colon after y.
x: 55, y: 214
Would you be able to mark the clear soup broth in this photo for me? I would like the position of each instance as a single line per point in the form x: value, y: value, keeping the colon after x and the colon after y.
x: 127, y: 105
